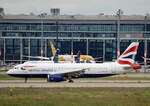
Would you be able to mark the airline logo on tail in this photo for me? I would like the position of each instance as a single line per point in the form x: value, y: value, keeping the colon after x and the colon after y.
x: 53, y: 48
x: 128, y: 57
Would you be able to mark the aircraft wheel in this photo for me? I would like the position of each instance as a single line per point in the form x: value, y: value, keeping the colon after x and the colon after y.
x: 71, y: 81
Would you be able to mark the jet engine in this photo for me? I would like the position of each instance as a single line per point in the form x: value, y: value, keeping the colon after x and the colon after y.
x: 55, y: 78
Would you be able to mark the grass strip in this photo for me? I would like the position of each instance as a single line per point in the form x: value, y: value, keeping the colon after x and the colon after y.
x: 75, y: 96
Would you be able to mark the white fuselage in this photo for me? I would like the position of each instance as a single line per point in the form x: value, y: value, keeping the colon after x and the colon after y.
x: 47, y: 67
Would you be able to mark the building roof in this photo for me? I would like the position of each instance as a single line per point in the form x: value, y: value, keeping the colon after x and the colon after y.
x: 76, y: 17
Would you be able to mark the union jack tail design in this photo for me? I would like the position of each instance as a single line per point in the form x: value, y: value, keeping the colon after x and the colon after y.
x: 128, y: 57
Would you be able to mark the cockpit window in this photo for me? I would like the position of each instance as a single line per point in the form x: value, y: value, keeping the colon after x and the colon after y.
x: 16, y: 68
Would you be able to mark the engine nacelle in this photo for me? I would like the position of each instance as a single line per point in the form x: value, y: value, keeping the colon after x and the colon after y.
x: 55, y: 78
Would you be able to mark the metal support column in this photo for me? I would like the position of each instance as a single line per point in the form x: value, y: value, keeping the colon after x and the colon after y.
x: 29, y: 48
x: 72, y: 44
x: 145, y: 44
x: 145, y: 55
x: 87, y: 47
x: 119, y: 12
x: 56, y: 34
x: 118, y: 37
x: 42, y: 38
x: 103, y: 50
x: 45, y: 47
x: 4, y: 51
x: 21, y: 50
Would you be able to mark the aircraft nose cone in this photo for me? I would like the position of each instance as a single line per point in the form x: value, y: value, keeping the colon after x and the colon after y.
x: 9, y: 72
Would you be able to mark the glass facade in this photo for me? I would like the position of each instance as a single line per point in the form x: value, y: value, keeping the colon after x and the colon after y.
x: 1, y: 49
x: 12, y: 49
x: 148, y: 49
x: 110, y: 52
x: 140, y: 52
x: 131, y: 28
x: 51, y: 27
x: 147, y: 35
x: 25, y: 48
x: 96, y: 49
x: 35, y: 47
x: 80, y: 27
x: 148, y: 27
x: 95, y: 39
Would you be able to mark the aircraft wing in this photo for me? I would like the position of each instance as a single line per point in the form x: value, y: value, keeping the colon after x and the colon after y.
x: 73, y: 72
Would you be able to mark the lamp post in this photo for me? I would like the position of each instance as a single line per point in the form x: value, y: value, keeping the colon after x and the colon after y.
x: 42, y: 52
x: 57, y: 34
x: 119, y: 13
x: 145, y: 51
x: 72, y: 39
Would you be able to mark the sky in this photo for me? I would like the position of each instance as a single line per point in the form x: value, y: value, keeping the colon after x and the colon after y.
x: 71, y: 7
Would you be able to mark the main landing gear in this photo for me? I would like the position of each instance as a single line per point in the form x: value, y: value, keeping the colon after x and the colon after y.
x: 25, y: 80
x: 70, y: 79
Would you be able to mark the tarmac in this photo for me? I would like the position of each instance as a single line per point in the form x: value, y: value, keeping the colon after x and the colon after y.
x: 80, y: 82
x: 76, y: 84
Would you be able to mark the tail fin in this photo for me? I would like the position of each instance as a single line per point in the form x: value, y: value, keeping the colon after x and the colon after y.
x: 56, y: 58
x: 53, y: 48
x: 77, y: 58
x: 128, y: 56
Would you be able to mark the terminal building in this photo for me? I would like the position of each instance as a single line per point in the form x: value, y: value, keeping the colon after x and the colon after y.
x: 96, y: 35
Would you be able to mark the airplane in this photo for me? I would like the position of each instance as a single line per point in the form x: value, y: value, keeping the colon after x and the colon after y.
x: 66, y: 58
x: 52, y: 59
x: 57, y: 72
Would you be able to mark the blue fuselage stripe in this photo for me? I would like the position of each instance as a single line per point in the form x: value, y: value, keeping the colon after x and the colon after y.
x: 45, y: 75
